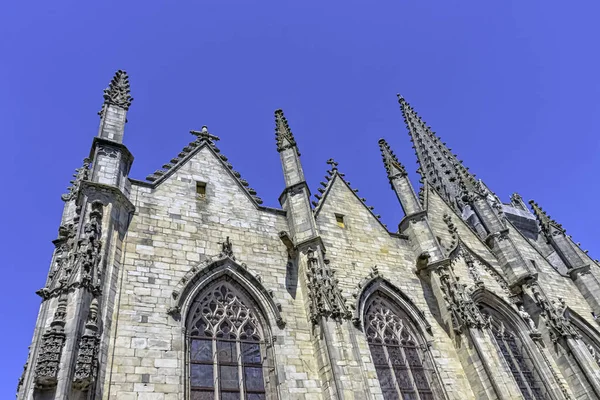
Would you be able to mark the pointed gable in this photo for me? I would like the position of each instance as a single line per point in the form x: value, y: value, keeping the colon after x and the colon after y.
x: 337, y: 196
x: 204, y: 140
x: 437, y: 210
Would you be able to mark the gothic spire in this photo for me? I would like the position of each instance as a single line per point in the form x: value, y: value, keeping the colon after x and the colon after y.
x: 546, y: 222
x: 436, y: 162
x: 118, y: 91
x: 283, y: 133
x: 392, y: 165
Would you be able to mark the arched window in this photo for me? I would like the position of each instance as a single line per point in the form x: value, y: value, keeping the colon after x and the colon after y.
x: 516, y: 356
x: 226, y: 346
x: 396, y: 352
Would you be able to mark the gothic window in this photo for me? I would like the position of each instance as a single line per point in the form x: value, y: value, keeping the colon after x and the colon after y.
x: 396, y: 352
x: 226, y: 346
x: 518, y: 362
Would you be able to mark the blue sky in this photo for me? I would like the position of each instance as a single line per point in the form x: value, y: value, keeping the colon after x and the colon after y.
x: 511, y: 86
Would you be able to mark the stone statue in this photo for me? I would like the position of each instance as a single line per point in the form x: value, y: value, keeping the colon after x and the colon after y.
x: 527, y: 318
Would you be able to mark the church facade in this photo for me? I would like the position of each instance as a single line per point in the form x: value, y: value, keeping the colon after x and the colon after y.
x: 184, y: 287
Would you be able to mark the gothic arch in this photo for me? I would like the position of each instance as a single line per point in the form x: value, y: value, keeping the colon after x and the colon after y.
x: 584, y: 327
x: 394, y: 332
x: 228, y: 339
x: 224, y: 268
x: 532, y: 351
x: 375, y: 283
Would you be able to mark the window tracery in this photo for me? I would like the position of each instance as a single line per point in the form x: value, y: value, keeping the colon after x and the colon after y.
x: 226, y: 346
x: 396, y: 352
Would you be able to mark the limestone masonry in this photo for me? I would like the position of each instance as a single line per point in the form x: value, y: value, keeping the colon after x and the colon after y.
x: 184, y: 286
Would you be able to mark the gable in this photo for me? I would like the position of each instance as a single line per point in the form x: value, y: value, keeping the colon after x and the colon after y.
x: 339, y: 199
x: 436, y: 209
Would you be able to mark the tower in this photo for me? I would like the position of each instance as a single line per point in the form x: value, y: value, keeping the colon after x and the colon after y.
x: 71, y: 336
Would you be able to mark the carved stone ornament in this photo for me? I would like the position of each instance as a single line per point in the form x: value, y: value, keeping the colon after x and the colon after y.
x: 463, y: 309
x: 81, y: 174
x: 325, y: 297
x: 227, y: 249
x: 53, y: 340
x: 76, y: 262
x: 553, y: 313
x: 86, y: 366
x: 118, y: 92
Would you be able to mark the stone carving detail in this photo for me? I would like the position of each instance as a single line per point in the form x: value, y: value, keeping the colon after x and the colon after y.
x: 108, y: 152
x: 553, y: 313
x: 227, y: 249
x: 463, y: 309
x: 118, y: 92
x: 472, y: 269
x: 325, y: 297
x: 87, y: 358
x: 81, y: 174
x: 53, y: 340
x: 533, y: 330
x: 76, y: 262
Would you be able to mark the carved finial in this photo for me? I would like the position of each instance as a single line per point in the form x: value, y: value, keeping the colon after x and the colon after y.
x: 546, y: 222
x: 333, y: 164
x: 393, y: 167
x: 204, y: 134
x: 118, y: 91
x: 283, y: 134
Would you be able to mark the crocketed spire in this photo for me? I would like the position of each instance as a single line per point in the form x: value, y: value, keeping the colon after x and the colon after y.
x: 546, y: 222
x: 283, y: 133
x: 437, y: 163
x: 393, y: 167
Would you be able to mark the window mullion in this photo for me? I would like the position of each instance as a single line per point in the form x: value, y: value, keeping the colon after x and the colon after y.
x: 410, y: 373
x: 392, y: 371
x: 216, y: 380
x: 518, y: 367
x: 241, y: 383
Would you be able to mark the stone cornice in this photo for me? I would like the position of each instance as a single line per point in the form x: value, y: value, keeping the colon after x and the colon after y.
x: 111, y: 143
x: 294, y: 189
x: 411, y: 217
x: 89, y: 188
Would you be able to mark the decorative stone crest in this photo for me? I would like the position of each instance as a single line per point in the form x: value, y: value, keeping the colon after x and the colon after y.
x: 53, y: 340
x: 325, y: 297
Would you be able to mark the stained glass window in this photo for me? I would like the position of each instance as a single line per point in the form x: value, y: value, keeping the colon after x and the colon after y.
x: 226, y: 347
x: 396, y: 353
x: 520, y: 366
